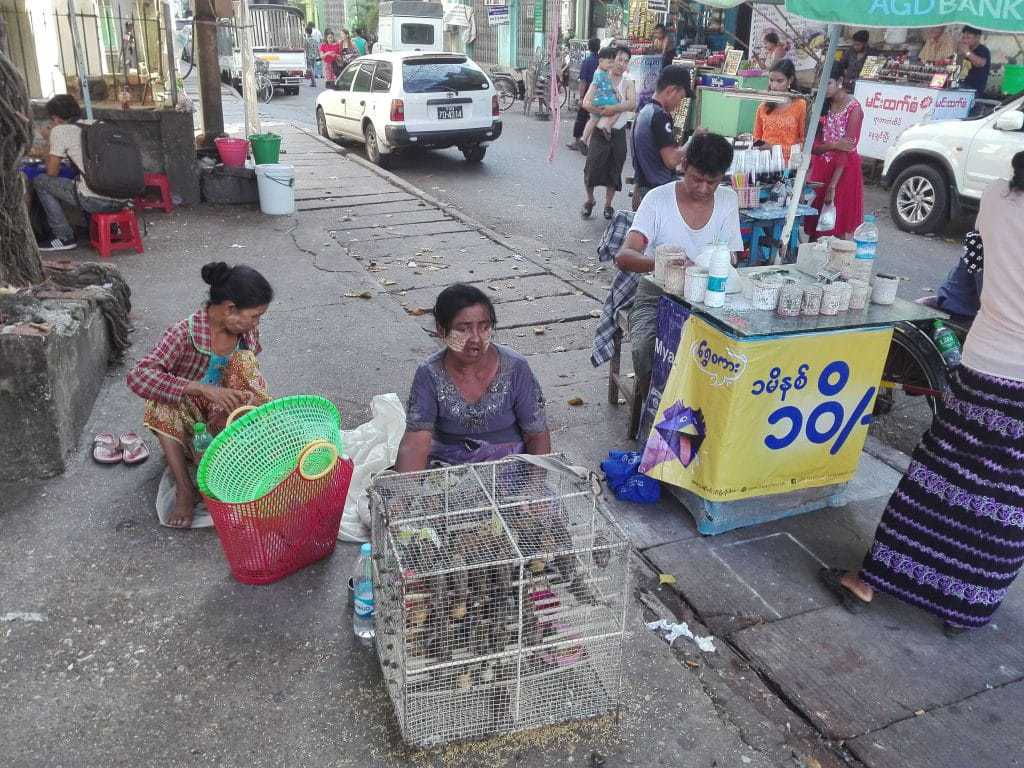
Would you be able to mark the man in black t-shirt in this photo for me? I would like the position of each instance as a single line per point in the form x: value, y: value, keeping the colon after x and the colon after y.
x: 655, y: 152
x: 980, y: 59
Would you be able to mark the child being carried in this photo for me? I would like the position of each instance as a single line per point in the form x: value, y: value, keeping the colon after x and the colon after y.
x: 604, y: 96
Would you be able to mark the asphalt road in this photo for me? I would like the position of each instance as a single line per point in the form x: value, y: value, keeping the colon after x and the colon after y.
x: 518, y: 191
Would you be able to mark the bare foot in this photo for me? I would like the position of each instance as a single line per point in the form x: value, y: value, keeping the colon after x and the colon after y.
x: 181, y: 515
x: 860, y: 588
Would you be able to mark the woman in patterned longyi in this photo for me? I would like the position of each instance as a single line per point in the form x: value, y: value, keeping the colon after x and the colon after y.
x: 951, y: 539
x: 204, y: 368
x: 473, y: 400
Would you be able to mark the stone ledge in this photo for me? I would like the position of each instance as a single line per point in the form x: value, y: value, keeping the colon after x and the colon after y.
x: 52, y: 364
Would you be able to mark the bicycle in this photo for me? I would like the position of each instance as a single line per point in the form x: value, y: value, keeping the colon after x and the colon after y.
x: 511, y: 87
x: 264, y: 85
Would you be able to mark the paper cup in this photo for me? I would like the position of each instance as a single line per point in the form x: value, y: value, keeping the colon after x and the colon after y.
x: 811, y: 300
x: 860, y: 291
x: 675, y: 273
x: 695, y: 285
x: 884, y: 290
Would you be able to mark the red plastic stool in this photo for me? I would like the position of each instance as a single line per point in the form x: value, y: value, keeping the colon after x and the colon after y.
x: 156, y: 181
x: 104, y: 238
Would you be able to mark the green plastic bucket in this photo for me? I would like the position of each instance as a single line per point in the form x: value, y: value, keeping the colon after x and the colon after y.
x: 1013, y: 79
x: 266, y: 147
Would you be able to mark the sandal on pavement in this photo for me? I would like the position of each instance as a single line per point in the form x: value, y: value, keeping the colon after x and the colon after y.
x: 135, y: 450
x: 588, y: 208
x: 953, y: 630
x: 832, y: 578
x: 105, y: 449
x: 609, y: 212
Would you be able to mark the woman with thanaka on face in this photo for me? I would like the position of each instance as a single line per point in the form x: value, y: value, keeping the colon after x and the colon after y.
x: 781, y: 124
x: 202, y: 369
x: 473, y: 400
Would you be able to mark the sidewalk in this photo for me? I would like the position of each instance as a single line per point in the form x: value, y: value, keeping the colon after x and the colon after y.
x: 141, y: 649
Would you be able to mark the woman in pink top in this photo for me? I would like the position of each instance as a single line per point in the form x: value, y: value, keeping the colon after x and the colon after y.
x: 836, y: 163
x: 951, y: 539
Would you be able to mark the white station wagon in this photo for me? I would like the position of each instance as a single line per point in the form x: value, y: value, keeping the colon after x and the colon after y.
x: 395, y: 100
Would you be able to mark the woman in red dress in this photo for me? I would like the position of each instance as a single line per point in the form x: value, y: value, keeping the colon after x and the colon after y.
x: 330, y: 52
x: 836, y: 164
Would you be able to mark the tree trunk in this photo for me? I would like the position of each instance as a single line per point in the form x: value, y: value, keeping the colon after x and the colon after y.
x: 19, y: 257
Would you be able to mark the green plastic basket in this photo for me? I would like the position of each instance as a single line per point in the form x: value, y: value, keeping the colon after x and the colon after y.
x: 255, y: 452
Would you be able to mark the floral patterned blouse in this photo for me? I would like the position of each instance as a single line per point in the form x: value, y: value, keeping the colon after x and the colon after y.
x: 512, y: 406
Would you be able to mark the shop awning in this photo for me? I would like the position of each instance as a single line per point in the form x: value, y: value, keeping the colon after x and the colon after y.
x: 991, y: 15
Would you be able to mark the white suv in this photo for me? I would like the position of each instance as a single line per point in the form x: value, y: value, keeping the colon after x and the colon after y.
x: 935, y: 170
x: 410, y: 99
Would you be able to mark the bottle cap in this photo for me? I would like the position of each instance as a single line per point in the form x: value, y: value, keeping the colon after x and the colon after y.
x: 198, y: 428
x: 936, y: 324
x: 870, y: 217
x: 365, y: 549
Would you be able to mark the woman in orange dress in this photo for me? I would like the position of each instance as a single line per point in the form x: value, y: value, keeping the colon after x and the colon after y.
x: 783, y: 124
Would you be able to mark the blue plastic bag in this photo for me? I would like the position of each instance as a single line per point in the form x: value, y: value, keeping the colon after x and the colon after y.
x: 620, y: 469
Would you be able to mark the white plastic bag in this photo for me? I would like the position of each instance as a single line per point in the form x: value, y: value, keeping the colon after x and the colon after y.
x: 827, y: 218
x: 373, y: 447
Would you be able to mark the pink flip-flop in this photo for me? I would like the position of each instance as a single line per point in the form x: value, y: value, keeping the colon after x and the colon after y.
x: 105, y: 449
x: 135, y: 449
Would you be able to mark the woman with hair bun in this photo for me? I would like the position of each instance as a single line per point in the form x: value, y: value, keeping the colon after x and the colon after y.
x: 951, y: 539
x: 204, y: 368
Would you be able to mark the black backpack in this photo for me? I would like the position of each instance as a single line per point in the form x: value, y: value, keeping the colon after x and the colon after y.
x: 113, y: 163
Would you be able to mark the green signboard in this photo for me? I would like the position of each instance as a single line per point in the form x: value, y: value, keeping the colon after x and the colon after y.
x: 992, y: 15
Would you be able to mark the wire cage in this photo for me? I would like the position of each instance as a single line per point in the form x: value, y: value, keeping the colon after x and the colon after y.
x: 500, y: 599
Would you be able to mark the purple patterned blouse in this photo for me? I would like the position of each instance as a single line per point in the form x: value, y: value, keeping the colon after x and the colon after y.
x: 512, y: 406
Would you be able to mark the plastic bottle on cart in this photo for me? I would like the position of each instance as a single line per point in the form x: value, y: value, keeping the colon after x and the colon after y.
x: 362, y: 582
x: 947, y: 342
x: 718, y: 276
x: 866, y: 238
x: 201, y: 438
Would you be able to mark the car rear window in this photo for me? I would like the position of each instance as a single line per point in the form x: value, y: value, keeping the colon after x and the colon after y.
x: 441, y: 75
x: 417, y: 34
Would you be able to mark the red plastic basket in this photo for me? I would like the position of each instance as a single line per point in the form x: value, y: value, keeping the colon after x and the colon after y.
x: 290, y: 527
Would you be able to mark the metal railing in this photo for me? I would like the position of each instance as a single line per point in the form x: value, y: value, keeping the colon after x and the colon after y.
x: 114, y: 46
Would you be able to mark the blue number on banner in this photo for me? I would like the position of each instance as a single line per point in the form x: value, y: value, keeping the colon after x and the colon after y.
x: 831, y: 382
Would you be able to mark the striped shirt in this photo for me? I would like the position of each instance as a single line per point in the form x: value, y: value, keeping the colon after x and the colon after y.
x: 182, y: 357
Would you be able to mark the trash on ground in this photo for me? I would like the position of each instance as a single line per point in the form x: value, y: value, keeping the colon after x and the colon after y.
x: 675, y: 631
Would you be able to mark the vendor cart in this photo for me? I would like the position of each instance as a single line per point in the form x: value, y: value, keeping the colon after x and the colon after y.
x: 762, y: 417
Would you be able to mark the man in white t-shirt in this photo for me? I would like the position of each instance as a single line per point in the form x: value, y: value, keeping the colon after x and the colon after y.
x: 693, y: 213
x: 54, y: 191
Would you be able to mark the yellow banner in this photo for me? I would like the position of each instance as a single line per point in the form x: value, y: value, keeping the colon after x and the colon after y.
x: 751, y: 418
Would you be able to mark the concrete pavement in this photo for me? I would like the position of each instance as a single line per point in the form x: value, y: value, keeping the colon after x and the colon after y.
x: 140, y: 649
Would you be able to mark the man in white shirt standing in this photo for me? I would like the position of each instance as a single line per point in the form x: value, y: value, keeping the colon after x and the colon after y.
x: 53, y: 190
x: 694, y: 212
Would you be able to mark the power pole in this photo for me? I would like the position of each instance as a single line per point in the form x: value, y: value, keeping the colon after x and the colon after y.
x: 205, y: 51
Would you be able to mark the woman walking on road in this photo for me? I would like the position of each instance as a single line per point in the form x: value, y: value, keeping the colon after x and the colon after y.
x: 951, y: 539
x: 330, y: 53
x: 607, y: 154
x: 836, y: 163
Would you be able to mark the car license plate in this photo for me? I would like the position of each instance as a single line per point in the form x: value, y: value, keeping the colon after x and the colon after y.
x: 450, y: 113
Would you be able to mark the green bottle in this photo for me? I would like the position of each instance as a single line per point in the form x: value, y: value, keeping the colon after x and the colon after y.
x: 947, y: 342
x: 200, y: 438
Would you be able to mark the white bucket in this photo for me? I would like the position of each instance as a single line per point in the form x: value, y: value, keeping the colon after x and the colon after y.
x: 276, y: 182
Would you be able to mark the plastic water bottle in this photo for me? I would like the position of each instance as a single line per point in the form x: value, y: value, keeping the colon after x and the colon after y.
x: 718, y: 276
x: 947, y: 342
x: 866, y: 239
x: 201, y: 439
x: 362, y: 582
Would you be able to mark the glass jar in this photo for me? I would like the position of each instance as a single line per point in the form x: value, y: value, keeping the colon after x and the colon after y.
x: 791, y: 298
x: 831, y: 296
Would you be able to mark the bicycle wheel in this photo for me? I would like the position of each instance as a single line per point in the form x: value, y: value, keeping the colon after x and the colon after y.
x: 506, y: 91
x: 914, y: 366
x: 563, y: 94
x: 264, y: 89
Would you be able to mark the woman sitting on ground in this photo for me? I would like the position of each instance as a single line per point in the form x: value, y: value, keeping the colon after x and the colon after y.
x: 203, y: 369
x: 473, y: 400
